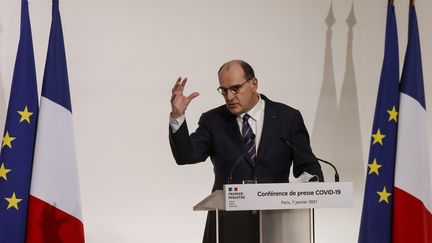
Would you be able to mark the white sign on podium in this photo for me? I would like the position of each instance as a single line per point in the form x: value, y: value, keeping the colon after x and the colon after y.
x: 286, y: 209
x: 287, y: 196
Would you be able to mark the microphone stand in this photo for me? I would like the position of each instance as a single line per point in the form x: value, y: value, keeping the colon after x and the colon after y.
x: 284, y: 140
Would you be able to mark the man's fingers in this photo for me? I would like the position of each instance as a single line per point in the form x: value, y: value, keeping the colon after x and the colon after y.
x: 177, y: 84
x: 192, y: 96
x: 177, y: 91
x: 183, y: 84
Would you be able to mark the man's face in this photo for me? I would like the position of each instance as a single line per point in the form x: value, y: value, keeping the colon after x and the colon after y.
x: 246, y: 98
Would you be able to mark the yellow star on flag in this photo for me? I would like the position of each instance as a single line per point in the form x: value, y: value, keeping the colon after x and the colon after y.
x: 4, y: 171
x: 25, y: 115
x: 13, y: 201
x: 7, y: 140
x: 384, y: 196
x: 378, y: 137
x: 374, y: 166
x: 393, y: 114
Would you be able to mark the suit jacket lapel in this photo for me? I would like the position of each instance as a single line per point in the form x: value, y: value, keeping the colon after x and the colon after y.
x: 269, y: 126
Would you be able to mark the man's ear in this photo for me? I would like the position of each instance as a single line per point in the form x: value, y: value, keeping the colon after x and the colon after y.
x: 255, y: 83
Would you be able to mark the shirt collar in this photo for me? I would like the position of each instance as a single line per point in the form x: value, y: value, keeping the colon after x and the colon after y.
x: 256, y: 111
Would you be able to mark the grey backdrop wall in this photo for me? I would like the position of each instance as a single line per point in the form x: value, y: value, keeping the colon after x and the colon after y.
x: 321, y: 57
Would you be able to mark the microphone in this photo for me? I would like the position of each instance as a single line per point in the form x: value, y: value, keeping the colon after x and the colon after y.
x: 284, y: 140
x: 239, y: 159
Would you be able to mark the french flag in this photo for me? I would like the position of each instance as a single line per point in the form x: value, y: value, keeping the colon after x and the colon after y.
x: 54, y: 212
x: 412, y: 205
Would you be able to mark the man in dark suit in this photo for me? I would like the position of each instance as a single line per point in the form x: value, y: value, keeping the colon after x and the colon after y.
x: 243, y: 139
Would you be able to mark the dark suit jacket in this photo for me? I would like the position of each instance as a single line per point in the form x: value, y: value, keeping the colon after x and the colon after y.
x: 218, y: 137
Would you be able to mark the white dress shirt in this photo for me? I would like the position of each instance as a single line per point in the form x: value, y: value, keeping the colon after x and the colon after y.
x: 256, y: 120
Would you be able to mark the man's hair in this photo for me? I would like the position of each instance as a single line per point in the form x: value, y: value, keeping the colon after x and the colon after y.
x: 247, y: 69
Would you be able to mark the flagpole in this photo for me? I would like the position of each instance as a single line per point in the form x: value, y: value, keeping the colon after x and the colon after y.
x: 391, y: 2
x: 412, y: 2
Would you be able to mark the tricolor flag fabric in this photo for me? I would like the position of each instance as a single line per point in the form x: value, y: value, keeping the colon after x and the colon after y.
x: 54, y: 213
x: 412, y: 194
x: 376, y: 217
x: 17, y: 145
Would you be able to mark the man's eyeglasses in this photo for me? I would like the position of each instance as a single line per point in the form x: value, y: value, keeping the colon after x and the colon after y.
x: 233, y: 89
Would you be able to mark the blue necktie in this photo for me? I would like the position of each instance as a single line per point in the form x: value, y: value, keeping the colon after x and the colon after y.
x: 249, y: 138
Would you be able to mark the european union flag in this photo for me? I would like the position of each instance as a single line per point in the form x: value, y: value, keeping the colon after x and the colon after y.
x: 376, y: 221
x: 17, y: 146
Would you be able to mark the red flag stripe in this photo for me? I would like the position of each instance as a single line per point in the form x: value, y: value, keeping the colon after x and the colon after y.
x: 412, y: 222
x: 46, y: 223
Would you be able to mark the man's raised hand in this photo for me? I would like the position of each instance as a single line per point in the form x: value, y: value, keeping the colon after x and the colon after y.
x: 180, y: 102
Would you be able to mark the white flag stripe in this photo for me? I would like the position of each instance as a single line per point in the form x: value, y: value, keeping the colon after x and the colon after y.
x: 55, y: 171
x: 412, y: 157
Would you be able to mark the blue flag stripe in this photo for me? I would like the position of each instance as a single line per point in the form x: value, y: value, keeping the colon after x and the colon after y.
x: 56, y: 83
x: 412, y: 73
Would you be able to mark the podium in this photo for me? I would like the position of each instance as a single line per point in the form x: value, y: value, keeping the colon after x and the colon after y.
x: 286, y: 209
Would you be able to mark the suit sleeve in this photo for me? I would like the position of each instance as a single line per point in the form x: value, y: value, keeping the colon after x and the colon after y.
x: 193, y: 148
x: 301, y: 161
